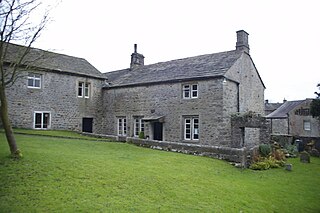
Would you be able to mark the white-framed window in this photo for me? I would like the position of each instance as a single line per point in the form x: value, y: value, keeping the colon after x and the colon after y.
x: 191, y: 128
x: 42, y: 120
x: 122, y: 126
x: 307, y: 125
x: 138, y: 126
x: 83, y: 90
x: 190, y: 91
x: 34, y: 80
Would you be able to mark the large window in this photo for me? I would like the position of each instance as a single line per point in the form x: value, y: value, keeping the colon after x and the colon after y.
x: 122, y: 126
x: 83, y: 90
x: 34, y: 80
x: 42, y: 120
x: 191, y: 128
x: 138, y: 126
x: 190, y: 91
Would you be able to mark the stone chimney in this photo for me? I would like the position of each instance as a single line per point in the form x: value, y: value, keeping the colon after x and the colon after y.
x: 137, y: 59
x: 242, y: 41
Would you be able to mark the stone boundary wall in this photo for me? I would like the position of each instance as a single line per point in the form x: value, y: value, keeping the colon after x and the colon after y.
x: 235, y: 155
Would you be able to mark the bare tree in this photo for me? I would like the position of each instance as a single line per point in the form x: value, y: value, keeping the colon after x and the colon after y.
x: 16, y: 26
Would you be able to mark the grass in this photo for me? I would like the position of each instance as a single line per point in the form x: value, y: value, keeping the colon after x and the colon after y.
x: 74, y: 175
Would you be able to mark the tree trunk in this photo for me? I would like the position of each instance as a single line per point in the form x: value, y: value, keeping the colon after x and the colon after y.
x: 7, y: 125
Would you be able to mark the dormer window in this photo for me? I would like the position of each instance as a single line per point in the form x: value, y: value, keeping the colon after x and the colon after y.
x: 190, y: 91
x: 34, y: 80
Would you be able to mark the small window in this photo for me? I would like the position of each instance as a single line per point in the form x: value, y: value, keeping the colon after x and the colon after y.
x: 138, y: 126
x: 191, y: 128
x: 34, y: 80
x: 307, y: 125
x: 83, y: 90
x: 190, y: 91
x: 122, y: 126
x: 42, y: 120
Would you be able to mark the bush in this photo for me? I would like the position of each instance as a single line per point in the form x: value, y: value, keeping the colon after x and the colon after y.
x: 291, y: 150
x: 262, y: 165
x: 141, y: 135
x: 267, y: 163
x: 265, y: 150
x: 278, y: 154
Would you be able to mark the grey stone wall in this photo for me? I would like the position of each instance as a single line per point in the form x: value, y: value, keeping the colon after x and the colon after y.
x: 296, y: 121
x: 279, y: 126
x: 57, y: 95
x: 166, y: 100
x: 219, y: 98
x: 250, y: 130
x: 251, y: 89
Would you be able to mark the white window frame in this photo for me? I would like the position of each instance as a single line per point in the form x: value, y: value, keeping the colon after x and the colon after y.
x: 83, y: 89
x: 307, y: 125
x: 189, y: 92
x: 191, y: 128
x: 34, y: 77
x: 122, y: 126
x: 139, y: 126
x: 86, y: 90
x: 42, y: 124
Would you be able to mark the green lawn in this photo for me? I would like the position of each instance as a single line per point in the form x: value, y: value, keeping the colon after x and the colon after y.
x: 74, y: 175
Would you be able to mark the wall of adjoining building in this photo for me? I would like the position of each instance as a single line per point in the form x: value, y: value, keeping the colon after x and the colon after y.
x: 58, y: 96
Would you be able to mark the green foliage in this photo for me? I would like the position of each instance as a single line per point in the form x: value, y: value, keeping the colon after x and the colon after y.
x: 264, y: 150
x: 75, y: 175
x: 261, y: 165
x: 291, y: 150
x: 141, y: 135
x: 267, y: 163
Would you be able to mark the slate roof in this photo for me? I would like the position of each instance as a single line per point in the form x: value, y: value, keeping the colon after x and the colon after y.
x: 51, y: 61
x: 203, y: 66
x: 284, y: 109
x: 270, y: 107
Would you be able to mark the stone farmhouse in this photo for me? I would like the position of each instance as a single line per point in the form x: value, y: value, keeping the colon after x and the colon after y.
x: 190, y: 100
x: 293, y: 118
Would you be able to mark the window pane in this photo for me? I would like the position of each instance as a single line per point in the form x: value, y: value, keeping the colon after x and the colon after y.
x: 136, y: 127
x: 124, y: 126
x: 30, y: 82
x: 86, y: 90
x: 307, y: 125
x: 186, y: 91
x: 36, y: 83
x: 142, y: 126
x: 195, y: 91
x: 38, y: 119
x: 80, y: 89
x: 46, y: 120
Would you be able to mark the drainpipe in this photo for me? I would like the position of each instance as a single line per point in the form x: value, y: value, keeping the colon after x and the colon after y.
x: 288, y: 123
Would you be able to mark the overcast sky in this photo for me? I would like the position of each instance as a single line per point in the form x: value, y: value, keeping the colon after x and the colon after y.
x: 284, y: 36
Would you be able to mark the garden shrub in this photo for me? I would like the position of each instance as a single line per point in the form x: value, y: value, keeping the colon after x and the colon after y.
x: 267, y: 163
x: 262, y: 165
x: 278, y: 154
x: 291, y: 150
x: 265, y: 150
x: 141, y: 135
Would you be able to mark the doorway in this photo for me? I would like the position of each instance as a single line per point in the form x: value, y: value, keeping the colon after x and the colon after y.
x: 87, y: 124
x: 157, y: 131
